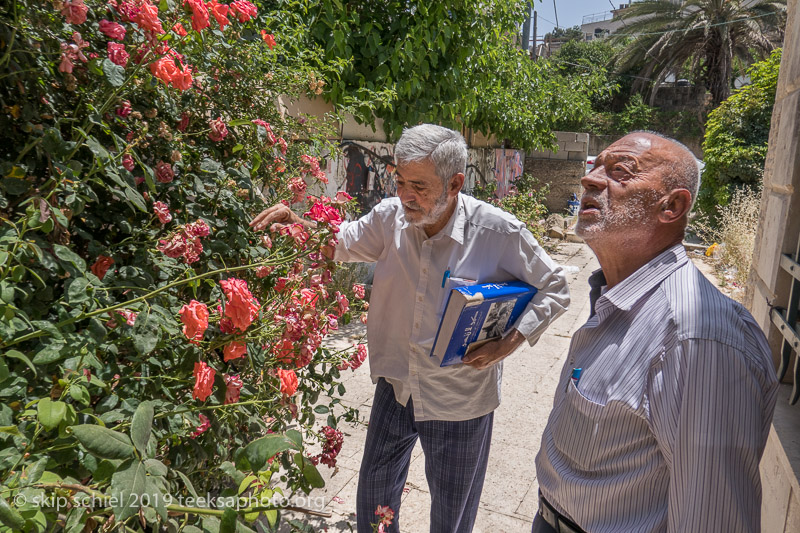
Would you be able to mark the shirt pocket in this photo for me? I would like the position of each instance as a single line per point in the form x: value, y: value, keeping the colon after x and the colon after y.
x: 579, y: 428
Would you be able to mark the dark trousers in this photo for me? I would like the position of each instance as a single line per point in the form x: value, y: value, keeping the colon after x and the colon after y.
x: 540, y: 526
x: 456, y: 455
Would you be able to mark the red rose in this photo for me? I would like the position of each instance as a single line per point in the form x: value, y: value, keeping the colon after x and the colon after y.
x: 147, y: 18
x: 194, y: 316
x: 203, y: 381
x: 164, y: 172
x: 101, y: 266
x: 164, y: 69
x: 182, y: 79
x: 199, y: 15
x: 128, y: 163
x: 180, y: 30
x: 268, y: 38
x: 244, y: 10
x: 220, y: 12
x: 240, y: 305
x: 234, y: 350
x: 288, y: 381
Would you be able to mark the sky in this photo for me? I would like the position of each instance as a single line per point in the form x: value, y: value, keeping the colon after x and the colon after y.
x: 570, y: 12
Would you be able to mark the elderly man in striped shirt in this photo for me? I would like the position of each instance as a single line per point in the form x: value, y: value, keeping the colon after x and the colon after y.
x: 664, y: 404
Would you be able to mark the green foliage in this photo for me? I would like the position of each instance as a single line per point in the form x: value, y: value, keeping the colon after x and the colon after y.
x: 737, y: 132
x: 450, y: 62
x: 525, y: 201
x: 100, y: 369
x: 567, y: 34
x: 702, y: 35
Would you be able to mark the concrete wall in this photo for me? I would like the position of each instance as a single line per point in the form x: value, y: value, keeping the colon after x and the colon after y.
x: 778, y: 232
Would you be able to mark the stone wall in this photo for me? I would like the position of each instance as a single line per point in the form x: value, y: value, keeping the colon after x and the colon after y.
x: 561, y: 170
x: 778, y: 233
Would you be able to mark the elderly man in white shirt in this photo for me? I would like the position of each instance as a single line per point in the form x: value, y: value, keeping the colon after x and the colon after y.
x: 428, y: 230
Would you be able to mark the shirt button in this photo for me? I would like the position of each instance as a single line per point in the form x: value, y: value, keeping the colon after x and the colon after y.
x: 424, y: 270
x: 416, y: 325
x: 420, y: 298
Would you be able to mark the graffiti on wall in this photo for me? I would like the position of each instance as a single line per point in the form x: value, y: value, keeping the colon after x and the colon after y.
x: 364, y: 171
x: 508, y: 166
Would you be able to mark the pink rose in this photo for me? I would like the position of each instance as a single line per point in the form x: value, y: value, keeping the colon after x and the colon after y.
x: 162, y: 211
x: 180, y: 30
x: 147, y: 18
x: 233, y: 387
x: 117, y: 54
x: 359, y: 290
x: 112, y: 30
x: 240, y: 306
x: 234, y: 350
x: 218, y: 130
x: 74, y: 11
x: 164, y: 69
x: 128, y: 163
x: 200, y: 19
x: 124, y: 109
x: 205, y: 424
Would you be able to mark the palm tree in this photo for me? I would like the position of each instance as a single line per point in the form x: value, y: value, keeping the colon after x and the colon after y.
x: 704, y: 34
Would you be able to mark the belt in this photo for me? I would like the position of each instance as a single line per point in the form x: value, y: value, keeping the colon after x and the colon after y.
x: 555, y: 519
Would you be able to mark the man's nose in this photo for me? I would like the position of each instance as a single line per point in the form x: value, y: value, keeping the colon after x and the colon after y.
x: 595, y: 179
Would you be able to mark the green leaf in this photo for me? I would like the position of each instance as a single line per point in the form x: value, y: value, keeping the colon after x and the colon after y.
x: 127, y: 487
x: 67, y: 255
x: 228, y: 522
x: 310, y: 472
x: 49, y: 354
x: 141, y: 426
x: 77, y: 290
x: 136, y: 199
x: 187, y: 482
x: 321, y: 409
x: 80, y: 394
x: 115, y: 74
x: 14, y: 354
x: 11, y: 430
x: 34, y: 472
x: 103, y: 442
x: 240, y: 122
x: 50, y: 413
x: 3, y: 370
x: 210, y: 166
x: 8, y: 516
x: 258, y: 451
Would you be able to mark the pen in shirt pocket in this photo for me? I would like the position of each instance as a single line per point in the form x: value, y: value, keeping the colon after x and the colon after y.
x: 445, y: 276
x: 575, y: 377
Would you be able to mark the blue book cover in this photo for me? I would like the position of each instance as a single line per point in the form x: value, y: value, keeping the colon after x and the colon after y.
x: 478, y: 313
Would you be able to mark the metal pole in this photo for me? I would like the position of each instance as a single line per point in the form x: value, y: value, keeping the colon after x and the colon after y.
x: 534, y: 52
x: 526, y: 29
x: 555, y: 10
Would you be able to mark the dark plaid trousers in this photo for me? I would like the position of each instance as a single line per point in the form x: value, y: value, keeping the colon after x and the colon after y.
x: 456, y: 454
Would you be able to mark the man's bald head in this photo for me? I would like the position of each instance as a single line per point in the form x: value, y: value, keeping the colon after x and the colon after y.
x: 680, y: 170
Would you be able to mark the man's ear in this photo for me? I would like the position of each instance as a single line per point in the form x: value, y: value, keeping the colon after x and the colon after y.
x: 455, y: 185
x: 675, y: 206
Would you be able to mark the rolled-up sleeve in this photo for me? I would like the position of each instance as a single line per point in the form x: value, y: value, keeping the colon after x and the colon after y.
x: 363, y: 240
x: 527, y: 261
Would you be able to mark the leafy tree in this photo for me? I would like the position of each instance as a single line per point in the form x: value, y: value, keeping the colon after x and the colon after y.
x: 706, y: 34
x: 577, y: 58
x: 566, y: 34
x: 735, y: 146
x: 450, y: 62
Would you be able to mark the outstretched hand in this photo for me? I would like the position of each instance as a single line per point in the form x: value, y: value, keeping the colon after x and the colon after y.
x: 494, y: 351
x: 276, y: 218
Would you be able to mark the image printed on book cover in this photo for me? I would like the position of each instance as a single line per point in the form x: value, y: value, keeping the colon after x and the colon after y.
x: 496, y: 319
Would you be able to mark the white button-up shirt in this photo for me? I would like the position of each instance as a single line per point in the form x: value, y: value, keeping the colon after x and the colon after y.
x: 479, y: 242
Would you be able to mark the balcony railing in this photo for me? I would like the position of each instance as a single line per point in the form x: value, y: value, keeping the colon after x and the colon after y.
x: 786, y: 322
x: 597, y: 17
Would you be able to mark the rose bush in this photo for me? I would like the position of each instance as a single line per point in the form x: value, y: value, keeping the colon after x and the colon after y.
x: 153, y: 347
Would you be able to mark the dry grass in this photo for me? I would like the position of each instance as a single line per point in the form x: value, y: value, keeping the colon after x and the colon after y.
x: 732, y: 240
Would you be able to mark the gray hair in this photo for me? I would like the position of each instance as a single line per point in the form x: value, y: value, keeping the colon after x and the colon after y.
x: 683, y: 170
x: 445, y: 148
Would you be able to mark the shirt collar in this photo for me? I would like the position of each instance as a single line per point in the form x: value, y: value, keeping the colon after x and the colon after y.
x: 455, y: 226
x: 629, y: 291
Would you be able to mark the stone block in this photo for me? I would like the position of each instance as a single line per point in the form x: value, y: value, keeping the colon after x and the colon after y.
x: 583, y: 138
x: 576, y: 146
x: 561, y: 154
x: 566, y: 136
x: 540, y: 155
x: 573, y: 155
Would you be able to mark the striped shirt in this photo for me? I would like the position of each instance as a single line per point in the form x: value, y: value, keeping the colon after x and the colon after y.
x: 665, y: 427
x: 480, y: 242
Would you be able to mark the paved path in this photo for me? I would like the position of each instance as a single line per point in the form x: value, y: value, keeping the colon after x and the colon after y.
x: 509, y: 501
